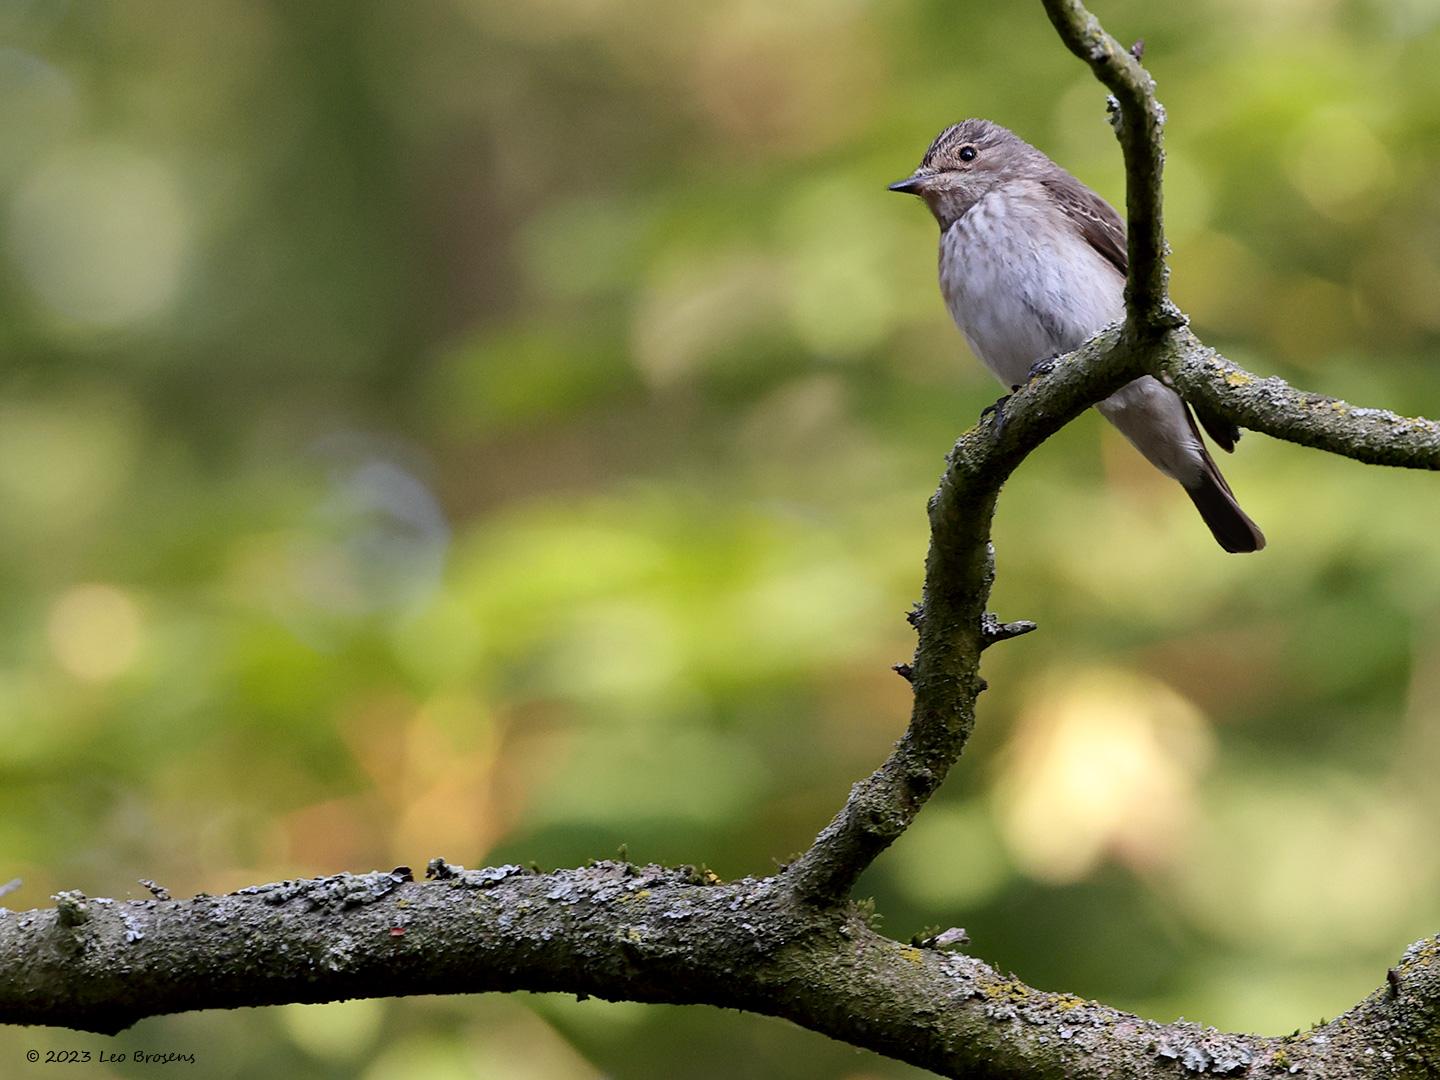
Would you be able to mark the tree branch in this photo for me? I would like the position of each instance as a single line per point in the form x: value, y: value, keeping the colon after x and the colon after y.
x: 651, y: 934
x: 787, y: 945
x: 1139, y: 121
x: 1273, y: 406
x: 953, y: 622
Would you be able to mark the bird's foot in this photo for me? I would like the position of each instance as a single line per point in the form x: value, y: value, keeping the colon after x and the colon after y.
x: 998, y: 411
x: 1041, y: 368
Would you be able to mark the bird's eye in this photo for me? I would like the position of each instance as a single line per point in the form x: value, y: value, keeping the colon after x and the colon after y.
x: 967, y: 153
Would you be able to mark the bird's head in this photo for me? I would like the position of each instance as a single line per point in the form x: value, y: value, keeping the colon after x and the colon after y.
x: 965, y: 163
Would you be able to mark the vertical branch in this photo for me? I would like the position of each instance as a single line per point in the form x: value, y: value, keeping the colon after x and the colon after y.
x: 946, y: 679
x: 953, y: 623
x: 1139, y: 124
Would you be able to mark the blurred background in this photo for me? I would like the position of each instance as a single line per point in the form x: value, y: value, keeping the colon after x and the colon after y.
x: 502, y: 430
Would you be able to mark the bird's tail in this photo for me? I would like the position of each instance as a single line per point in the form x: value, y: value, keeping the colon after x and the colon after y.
x: 1230, y: 525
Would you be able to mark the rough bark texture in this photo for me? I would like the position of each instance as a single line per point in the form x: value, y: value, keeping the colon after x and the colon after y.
x: 645, y: 934
x: 1139, y: 120
x: 952, y: 619
x: 790, y: 945
x: 1374, y: 436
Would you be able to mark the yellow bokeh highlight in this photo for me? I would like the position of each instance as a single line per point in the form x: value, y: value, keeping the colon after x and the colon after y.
x: 101, y: 234
x: 950, y: 858
x: 1339, y: 164
x: 506, y: 1042
x: 95, y: 632
x: 1309, y: 861
x: 337, y: 1031
x: 1102, y: 761
x: 62, y: 460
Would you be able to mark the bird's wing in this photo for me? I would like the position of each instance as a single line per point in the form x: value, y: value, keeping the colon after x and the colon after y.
x: 1098, y: 222
x: 1104, y: 230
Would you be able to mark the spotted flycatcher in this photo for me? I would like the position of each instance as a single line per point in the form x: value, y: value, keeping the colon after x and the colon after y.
x: 1032, y: 263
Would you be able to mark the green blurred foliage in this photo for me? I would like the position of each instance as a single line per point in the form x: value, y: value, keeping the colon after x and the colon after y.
x: 503, y: 429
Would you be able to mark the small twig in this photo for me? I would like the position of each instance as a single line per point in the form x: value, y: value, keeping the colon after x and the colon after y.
x: 954, y: 938
x: 993, y: 631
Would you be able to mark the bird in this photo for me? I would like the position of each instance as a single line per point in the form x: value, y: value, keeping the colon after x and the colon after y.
x: 1032, y: 264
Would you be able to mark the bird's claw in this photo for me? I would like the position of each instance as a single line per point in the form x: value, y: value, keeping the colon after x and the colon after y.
x: 1037, y: 370
x: 998, y: 411
x: 1041, y: 368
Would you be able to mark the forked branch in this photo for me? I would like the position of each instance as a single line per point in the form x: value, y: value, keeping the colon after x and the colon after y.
x: 788, y: 945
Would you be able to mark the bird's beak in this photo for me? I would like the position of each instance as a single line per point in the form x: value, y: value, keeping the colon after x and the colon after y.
x: 911, y: 185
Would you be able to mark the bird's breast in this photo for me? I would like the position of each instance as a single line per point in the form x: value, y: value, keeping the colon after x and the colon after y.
x: 1022, y: 283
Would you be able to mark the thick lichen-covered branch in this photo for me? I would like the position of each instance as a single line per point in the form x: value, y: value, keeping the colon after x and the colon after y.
x: 650, y: 934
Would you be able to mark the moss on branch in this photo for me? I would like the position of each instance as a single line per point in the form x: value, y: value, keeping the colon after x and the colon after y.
x: 650, y: 934
x: 790, y: 945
